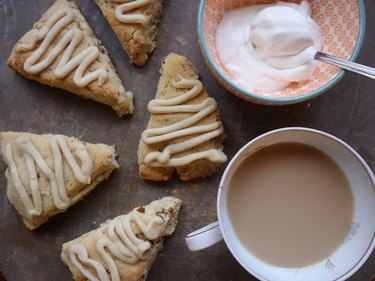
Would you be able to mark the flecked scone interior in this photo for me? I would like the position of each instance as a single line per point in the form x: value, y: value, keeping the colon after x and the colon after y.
x: 112, y: 92
x: 138, y: 40
x: 168, y: 206
x: 103, y: 164
x: 174, y: 66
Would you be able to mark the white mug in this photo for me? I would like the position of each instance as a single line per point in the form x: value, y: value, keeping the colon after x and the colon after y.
x: 354, y: 250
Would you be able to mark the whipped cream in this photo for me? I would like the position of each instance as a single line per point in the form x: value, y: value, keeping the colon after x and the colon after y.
x: 266, y: 47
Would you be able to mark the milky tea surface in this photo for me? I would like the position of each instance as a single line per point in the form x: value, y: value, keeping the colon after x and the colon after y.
x: 290, y: 204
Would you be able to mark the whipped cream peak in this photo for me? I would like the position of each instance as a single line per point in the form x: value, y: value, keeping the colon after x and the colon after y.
x: 266, y: 47
x: 271, y: 35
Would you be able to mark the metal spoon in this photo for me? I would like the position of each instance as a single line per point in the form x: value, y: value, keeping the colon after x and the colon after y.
x: 348, y: 65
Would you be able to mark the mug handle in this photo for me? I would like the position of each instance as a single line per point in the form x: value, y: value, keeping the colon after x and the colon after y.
x: 204, y: 237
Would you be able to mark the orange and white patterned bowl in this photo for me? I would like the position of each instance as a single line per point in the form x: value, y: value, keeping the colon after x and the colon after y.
x: 342, y: 23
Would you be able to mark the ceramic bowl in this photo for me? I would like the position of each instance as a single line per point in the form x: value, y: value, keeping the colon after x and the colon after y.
x: 342, y: 23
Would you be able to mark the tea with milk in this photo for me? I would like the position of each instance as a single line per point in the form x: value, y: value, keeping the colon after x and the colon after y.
x: 290, y: 204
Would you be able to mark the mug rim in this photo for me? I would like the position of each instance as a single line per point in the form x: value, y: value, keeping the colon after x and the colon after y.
x: 240, y: 152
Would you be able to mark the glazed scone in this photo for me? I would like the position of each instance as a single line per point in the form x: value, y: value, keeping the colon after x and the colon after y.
x: 184, y: 132
x: 135, y: 24
x: 62, y: 51
x: 125, y: 247
x: 49, y: 173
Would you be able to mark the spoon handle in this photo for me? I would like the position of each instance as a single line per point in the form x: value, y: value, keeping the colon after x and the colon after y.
x: 348, y: 65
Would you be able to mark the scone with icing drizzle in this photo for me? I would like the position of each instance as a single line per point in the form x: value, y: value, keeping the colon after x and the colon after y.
x: 135, y: 24
x: 184, y: 132
x: 124, y: 248
x: 49, y: 173
x: 62, y: 51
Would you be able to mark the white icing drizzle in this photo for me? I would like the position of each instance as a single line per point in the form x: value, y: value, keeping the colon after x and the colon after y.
x: 182, y: 128
x: 120, y: 242
x: 32, y: 156
x: 67, y: 45
x: 130, y: 5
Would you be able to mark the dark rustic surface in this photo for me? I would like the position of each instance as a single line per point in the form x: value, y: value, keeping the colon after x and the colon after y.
x: 347, y: 111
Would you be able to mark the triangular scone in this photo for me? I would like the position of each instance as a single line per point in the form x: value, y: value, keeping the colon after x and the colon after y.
x: 125, y: 247
x: 62, y: 51
x: 184, y: 132
x: 49, y: 173
x: 135, y: 24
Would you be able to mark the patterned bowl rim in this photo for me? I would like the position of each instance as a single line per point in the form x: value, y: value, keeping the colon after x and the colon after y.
x: 279, y: 101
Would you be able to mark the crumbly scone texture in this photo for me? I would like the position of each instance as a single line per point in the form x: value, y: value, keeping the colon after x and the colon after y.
x: 104, y: 163
x: 111, y: 93
x: 138, y: 40
x: 173, y: 66
x: 169, y: 206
